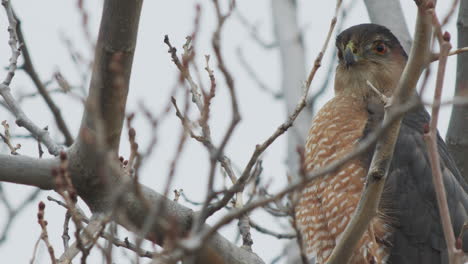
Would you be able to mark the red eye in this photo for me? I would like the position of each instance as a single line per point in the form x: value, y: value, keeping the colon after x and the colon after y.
x: 380, y: 48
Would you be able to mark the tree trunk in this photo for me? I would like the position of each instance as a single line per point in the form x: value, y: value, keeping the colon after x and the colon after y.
x: 457, y: 134
x: 291, y: 46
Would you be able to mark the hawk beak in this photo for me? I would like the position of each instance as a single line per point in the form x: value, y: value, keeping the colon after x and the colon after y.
x: 350, y: 57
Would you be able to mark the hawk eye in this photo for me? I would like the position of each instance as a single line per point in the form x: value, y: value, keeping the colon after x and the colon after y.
x: 380, y: 48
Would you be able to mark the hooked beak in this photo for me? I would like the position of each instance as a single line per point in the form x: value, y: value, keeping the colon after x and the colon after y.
x: 350, y: 57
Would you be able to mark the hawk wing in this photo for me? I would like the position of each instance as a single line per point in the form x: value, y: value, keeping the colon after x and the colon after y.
x: 410, y: 199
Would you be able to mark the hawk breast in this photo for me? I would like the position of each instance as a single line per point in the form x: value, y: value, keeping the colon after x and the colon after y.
x: 326, y: 205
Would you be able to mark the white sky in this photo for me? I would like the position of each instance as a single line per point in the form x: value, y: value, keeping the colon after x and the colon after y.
x: 153, y: 77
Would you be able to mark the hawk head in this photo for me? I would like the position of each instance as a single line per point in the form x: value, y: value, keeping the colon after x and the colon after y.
x: 368, y: 52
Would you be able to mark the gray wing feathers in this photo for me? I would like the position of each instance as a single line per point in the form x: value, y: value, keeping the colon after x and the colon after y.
x: 410, y: 199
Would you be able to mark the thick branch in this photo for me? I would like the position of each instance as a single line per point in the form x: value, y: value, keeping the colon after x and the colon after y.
x: 103, y: 189
x: 176, y: 216
x: 293, y: 72
x: 457, y: 140
x: 28, y: 171
x: 112, y: 68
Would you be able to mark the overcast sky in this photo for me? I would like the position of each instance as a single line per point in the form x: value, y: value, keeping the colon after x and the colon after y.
x: 47, y: 23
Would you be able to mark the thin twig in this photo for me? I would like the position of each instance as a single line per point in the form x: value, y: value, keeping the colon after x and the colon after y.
x: 254, y: 76
x: 14, y: 212
x: 21, y: 119
x: 29, y: 68
x: 362, y: 147
x: 88, y: 238
x: 300, y: 238
x: 259, y: 149
x: 44, y: 235
x: 333, y: 58
x: 254, y: 32
x: 269, y: 232
x: 6, y: 137
x: 117, y: 242
x: 450, y: 13
x: 185, y: 74
x: 385, y: 100
x: 65, y: 236
x: 436, y: 56
x: 454, y: 254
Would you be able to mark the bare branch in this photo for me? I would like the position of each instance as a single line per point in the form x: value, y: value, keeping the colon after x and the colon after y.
x: 254, y: 32
x: 21, y: 119
x: 29, y: 68
x: 300, y: 182
x: 14, y: 212
x: 454, y: 254
x: 34, y: 171
x: 250, y: 71
x: 300, y: 241
x: 269, y: 232
x: 436, y: 56
x: 185, y: 73
x: 44, y: 235
x: 385, y: 100
x: 13, y: 42
x: 333, y: 58
x: 7, y: 138
x: 259, y: 149
x: 89, y: 236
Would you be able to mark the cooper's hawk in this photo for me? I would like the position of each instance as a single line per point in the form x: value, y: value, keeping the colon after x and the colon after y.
x: 407, y: 228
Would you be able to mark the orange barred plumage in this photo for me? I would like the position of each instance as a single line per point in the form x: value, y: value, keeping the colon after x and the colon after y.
x: 326, y: 204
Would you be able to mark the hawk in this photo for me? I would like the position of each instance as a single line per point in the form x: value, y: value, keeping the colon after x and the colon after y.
x: 407, y: 228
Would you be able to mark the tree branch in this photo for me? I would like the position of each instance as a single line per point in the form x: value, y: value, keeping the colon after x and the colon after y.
x: 456, y: 138
x: 292, y: 119
x: 21, y: 119
x: 454, y: 255
x: 291, y: 47
x: 109, y: 86
x: 107, y: 97
x: 28, y: 171
x: 31, y: 71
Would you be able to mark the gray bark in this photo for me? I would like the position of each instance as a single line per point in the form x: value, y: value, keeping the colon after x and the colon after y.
x: 27, y: 171
x: 109, y: 83
x: 37, y: 172
x: 293, y: 73
x: 291, y: 46
x: 457, y: 134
